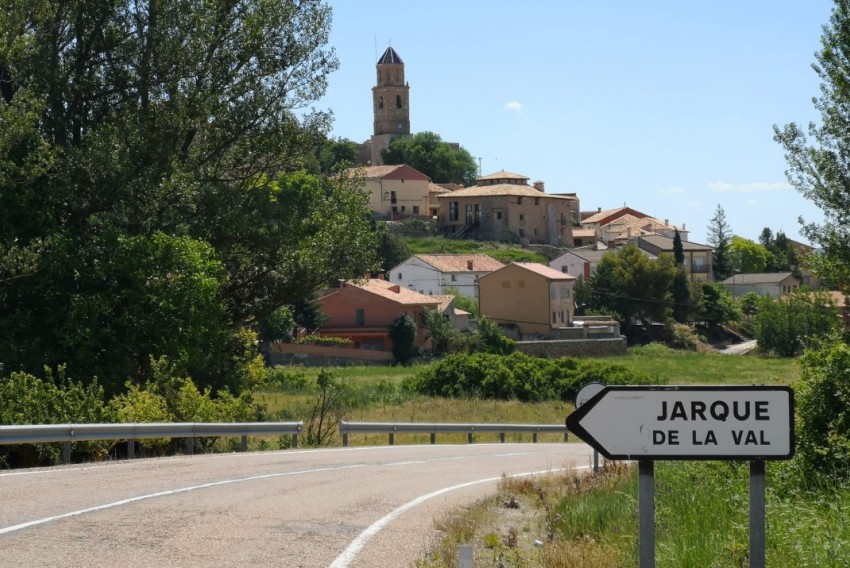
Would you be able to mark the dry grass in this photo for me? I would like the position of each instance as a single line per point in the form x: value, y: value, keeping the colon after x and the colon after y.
x: 516, y: 527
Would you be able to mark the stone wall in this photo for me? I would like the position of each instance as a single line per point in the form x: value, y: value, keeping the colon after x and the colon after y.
x: 554, y: 349
x: 319, y: 355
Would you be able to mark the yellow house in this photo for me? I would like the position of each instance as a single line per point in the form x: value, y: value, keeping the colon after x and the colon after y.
x: 531, y: 296
x: 398, y: 191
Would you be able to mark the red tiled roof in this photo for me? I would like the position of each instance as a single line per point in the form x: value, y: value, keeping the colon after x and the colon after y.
x: 544, y: 270
x: 394, y: 292
x: 460, y: 262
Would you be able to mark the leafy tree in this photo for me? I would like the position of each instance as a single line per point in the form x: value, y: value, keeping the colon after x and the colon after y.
x: 278, y: 326
x: 336, y: 154
x: 747, y: 256
x: 749, y: 303
x: 820, y: 170
x: 440, y: 331
x: 627, y: 283
x: 149, y: 203
x: 403, y: 335
x: 426, y: 152
x: 791, y: 324
x: 462, y: 302
x: 719, y: 237
x: 717, y: 306
x: 493, y: 339
x: 392, y: 249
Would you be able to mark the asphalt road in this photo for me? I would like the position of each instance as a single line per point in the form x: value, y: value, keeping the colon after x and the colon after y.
x: 338, y: 508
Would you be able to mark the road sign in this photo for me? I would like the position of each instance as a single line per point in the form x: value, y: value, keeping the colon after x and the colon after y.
x: 688, y: 422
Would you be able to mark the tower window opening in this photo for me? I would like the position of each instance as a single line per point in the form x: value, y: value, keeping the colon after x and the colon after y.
x: 380, y: 102
x: 398, y: 101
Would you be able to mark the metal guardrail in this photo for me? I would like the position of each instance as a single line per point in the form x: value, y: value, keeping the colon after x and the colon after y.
x: 67, y: 433
x: 346, y: 428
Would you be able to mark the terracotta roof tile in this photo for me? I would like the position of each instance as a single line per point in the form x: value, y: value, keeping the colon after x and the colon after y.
x: 502, y: 189
x: 394, y: 292
x: 544, y: 270
x: 460, y: 262
x: 503, y: 175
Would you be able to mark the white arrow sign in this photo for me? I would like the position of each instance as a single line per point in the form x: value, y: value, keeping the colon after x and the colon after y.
x: 685, y: 422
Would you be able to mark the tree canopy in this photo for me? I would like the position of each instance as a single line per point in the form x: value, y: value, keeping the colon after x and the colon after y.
x: 150, y: 203
x: 720, y: 237
x: 817, y: 156
x: 427, y: 153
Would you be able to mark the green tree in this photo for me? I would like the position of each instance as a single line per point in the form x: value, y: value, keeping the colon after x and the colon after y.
x: 336, y: 154
x: 149, y: 203
x: 819, y: 170
x: 678, y: 249
x: 439, y: 330
x: 392, y: 249
x: 492, y: 339
x: 789, y: 325
x: 747, y: 256
x: 427, y: 153
x: 462, y: 302
x: 717, y: 306
x: 720, y: 237
x: 403, y: 335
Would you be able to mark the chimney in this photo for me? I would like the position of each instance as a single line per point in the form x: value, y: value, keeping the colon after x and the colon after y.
x: 396, y: 289
x: 667, y: 222
x: 683, y: 226
x: 599, y: 210
x: 469, y: 264
x: 538, y: 185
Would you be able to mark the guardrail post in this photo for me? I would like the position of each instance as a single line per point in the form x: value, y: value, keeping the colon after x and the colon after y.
x: 131, y: 449
x: 502, y: 437
x: 295, y: 440
x: 189, y: 445
x: 345, y: 440
x: 469, y: 438
x: 392, y: 438
x: 534, y: 437
x: 433, y: 438
x: 66, y: 452
x: 244, y: 443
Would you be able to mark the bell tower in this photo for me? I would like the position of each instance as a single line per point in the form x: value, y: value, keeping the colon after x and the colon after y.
x: 390, y: 103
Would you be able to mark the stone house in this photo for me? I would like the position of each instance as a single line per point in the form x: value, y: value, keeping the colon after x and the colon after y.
x: 396, y: 192
x: 532, y: 297
x: 503, y: 207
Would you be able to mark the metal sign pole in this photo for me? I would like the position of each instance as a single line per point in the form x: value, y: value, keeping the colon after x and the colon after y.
x: 646, y: 515
x: 757, y: 507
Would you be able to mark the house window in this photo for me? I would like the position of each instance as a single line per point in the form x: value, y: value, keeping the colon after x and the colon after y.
x: 535, y: 231
x: 521, y: 284
x: 537, y: 201
x: 506, y: 284
x: 519, y: 200
x: 499, y: 215
x: 477, y: 213
x: 468, y: 212
x: 554, y: 317
x: 699, y: 264
x: 521, y: 233
x: 454, y: 277
x: 565, y: 292
x: 360, y: 316
x: 399, y: 277
x: 416, y: 210
x: 521, y: 217
x: 453, y: 210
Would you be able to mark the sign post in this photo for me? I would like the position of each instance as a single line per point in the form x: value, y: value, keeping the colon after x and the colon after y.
x: 754, y: 423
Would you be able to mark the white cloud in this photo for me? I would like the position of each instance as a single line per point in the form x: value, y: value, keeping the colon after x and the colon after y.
x: 674, y: 190
x: 513, y: 106
x: 756, y: 187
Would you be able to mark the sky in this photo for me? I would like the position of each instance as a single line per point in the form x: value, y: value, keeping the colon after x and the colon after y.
x: 667, y: 107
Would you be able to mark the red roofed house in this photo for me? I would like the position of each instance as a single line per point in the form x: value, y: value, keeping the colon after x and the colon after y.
x: 363, y: 311
x: 534, y: 297
x: 433, y: 273
x: 398, y: 191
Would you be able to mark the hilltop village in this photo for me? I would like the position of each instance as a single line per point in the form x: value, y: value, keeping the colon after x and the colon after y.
x: 530, y: 301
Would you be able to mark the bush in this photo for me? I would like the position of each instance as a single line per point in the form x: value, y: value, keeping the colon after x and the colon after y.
x: 823, y: 404
x: 325, y: 340
x: 683, y: 336
x: 517, y: 376
x: 403, y: 335
x: 788, y: 325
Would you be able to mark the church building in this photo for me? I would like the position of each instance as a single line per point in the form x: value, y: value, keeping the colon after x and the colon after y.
x: 390, y: 102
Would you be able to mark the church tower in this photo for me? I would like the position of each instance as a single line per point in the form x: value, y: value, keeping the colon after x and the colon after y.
x: 390, y: 103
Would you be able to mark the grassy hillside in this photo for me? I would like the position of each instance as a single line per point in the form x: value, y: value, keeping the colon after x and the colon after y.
x: 500, y: 251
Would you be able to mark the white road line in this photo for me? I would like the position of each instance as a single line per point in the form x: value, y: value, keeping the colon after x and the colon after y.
x: 37, y: 522
x: 350, y: 553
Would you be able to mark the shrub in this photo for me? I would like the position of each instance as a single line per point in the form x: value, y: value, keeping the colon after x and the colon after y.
x: 325, y: 340
x: 517, y: 376
x: 683, y: 336
x: 403, y: 335
x: 788, y: 325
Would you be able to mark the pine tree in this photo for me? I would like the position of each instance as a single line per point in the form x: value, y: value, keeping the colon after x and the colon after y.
x: 719, y: 237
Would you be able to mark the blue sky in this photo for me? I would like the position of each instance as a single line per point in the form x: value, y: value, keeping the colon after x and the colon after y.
x: 667, y: 107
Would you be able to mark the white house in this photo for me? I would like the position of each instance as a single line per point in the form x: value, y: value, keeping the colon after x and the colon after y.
x: 773, y: 284
x: 434, y: 273
x: 580, y: 261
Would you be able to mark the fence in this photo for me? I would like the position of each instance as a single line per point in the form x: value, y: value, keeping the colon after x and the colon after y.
x: 67, y: 433
x: 391, y: 429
